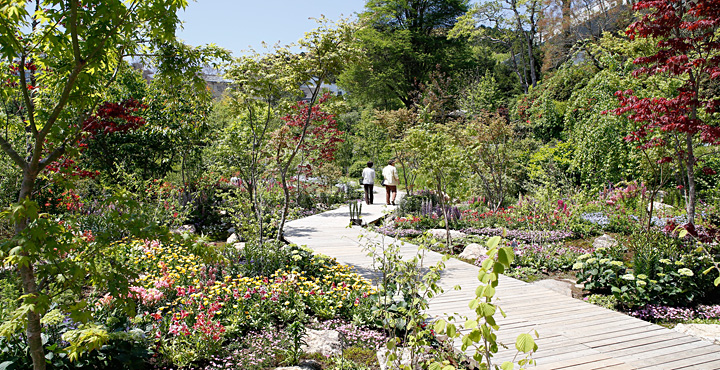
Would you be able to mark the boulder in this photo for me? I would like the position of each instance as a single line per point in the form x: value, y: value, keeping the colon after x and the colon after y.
x: 442, y: 234
x: 604, y: 241
x: 303, y: 365
x: 189, y: 229
x: 232, y: 239
x: 473, y: 251
x: 657, y: 206
x: 558, y: 286
x: 405, y: 355
x: 706, y: 332
x: 325, y: 342
x: 239, y: 246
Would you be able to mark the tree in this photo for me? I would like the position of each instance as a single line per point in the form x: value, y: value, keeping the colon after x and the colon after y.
x: 512, y: 24
x: 55, y: 62
x: 490, y: 154
x: 688, y: 50
x: 441, y: 160
x: 404, y: 41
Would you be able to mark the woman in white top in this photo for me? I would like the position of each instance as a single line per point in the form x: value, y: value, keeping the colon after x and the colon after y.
x: 368, y: 180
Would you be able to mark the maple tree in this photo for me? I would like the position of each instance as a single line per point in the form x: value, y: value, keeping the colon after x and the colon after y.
x: 688, y: 50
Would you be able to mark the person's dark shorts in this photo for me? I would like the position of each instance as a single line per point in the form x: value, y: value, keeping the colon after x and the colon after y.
x: 391, y: 188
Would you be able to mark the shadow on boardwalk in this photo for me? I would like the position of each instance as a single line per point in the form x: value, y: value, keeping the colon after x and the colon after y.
x: 574, y: 335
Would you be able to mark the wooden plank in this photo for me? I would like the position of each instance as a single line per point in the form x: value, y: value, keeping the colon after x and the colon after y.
x: 574, y: 335
x: 675, y: 356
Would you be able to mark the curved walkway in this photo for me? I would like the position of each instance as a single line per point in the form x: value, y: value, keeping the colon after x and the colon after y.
x: 573, y: 334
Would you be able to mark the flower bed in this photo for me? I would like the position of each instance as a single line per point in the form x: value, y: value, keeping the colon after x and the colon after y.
x: 192, y: 306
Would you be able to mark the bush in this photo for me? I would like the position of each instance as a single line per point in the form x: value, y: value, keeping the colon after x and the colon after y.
x: 412, y: 204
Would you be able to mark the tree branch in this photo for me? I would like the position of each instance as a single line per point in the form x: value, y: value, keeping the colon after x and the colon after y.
x: 8, y: 149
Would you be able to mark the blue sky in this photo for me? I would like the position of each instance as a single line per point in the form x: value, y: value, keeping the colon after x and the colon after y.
x: 238, y: 25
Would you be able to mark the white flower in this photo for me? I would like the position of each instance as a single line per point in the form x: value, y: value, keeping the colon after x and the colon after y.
x: 628, y: 277
x: 685, y: 272
x: 578, y: 266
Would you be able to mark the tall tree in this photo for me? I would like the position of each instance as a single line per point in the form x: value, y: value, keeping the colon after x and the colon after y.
x: 513, y: 24
x: 56, y: 61
x: 404, y: 41
x: 688, y: 50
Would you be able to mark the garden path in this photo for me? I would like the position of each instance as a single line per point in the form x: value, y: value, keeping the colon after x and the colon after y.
x: 574, y: 334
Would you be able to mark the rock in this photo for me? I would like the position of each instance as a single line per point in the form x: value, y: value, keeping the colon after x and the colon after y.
x: 232, y: 239
x: 706, y: 332
x: 239, y: 246
x: 403, y: 353
x: 657, y: 206
x: 562, y: 287
x: 473, y: 251
x: 442, y: 234
x: 604, y: 241
x: 325, y: 342
x: 189, y: 229
x: 304, y: 365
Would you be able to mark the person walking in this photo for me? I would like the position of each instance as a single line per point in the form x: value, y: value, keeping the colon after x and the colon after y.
x: 368, y: 181
x: 392, y: 180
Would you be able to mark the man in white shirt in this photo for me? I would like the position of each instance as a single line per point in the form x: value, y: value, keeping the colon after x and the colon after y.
x: 392, y: 180
x: 368, y: 181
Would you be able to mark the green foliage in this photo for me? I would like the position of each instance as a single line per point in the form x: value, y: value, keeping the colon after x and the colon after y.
x: 478, y: 332
x: 660, y: 272
x: 482, y: 94
x: 607, y: 301
x: 404, y: 42
x: 402, y: 298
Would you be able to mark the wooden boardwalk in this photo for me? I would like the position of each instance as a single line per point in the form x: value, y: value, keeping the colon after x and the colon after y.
x: 574, y: 334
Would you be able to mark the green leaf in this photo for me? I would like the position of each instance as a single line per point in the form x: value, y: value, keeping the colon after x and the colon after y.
x: 440, y: 326
x: 717, y: 281
x: 489, y: 291
x: 507, y: 365
x: 493, y: 242
x: 486, y: 309
x: 471, y: 324
x: 475, y: 335
x: 451, y: 330
x: 525, y: 343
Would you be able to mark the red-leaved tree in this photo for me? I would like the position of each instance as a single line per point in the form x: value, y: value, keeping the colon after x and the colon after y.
x: 688, y: 50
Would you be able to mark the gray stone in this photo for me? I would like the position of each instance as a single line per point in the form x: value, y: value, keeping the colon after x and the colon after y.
x: 405, y: 355
x: 657, y: 206
x: 442, y: 234
x: 473, y: 251
x: 604, y: 241
x: 239, y: 246
x: 325, y: 342
x: 189, y: 229
x: 706, y: 332
x: 304, y: 365
x: 232, y: 239
x: 562, y: 287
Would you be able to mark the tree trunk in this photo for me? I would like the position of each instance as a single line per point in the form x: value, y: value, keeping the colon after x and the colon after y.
x: 443, y: 206
x: 26, y: 273
x: 690, y: 169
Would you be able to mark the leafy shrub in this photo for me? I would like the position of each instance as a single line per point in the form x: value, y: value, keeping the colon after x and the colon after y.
x: 607, y: 301
x: 412, y: 204
x: 659, y: 273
